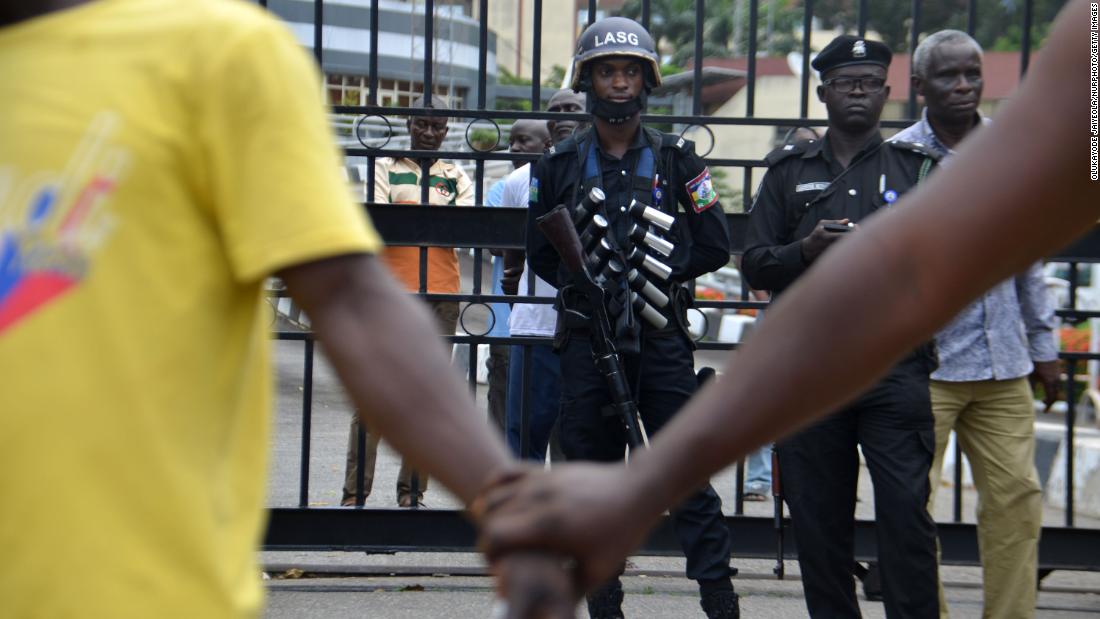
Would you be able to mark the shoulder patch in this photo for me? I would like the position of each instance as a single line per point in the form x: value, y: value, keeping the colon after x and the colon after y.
x: 783, y: 152
x: 701, y: 190
x: 533, y: 194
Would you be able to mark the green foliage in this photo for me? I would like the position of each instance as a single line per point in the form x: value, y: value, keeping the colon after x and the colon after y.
x: 555, y: 77
x: 483, y: 139
x: 516, y: 105
x: 730, y: 197
x: 725, y: 33
x: 507, y: 78
x: 998, y: 26
x: 725, y: 27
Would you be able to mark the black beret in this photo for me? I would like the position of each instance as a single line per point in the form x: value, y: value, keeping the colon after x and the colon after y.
x: 848, y: 50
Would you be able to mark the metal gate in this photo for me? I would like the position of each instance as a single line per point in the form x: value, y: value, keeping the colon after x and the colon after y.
x: 372, y: 134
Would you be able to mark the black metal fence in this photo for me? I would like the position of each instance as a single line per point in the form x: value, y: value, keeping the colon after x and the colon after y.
x: 479, y: 228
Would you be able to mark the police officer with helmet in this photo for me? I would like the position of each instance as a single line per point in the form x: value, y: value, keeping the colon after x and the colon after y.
x: 650, y: 219
x: 814, y: 194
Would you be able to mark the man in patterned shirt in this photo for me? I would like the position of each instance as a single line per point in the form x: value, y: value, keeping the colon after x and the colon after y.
x: 986, y: 353
x: 397, y: 181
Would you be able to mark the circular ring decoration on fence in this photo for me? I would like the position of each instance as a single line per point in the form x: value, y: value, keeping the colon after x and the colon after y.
x: 709, y: 131
x: 491, y: 322
x: 706, y: 324
x: 360, y: 132
x: 483, y: 139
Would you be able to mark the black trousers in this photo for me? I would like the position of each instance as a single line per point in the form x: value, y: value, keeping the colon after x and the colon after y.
x: 664, y: 378
x: 819, y: 466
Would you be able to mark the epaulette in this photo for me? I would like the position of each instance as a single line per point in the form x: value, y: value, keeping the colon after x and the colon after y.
x: 680, y: 143
x: 916, y: 147
x: 568, y: 145
x: 785, y: 152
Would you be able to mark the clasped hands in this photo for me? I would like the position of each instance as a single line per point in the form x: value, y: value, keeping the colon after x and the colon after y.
x: 550, y: 536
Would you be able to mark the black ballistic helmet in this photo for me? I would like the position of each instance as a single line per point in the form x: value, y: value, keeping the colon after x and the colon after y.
x: 615, y: 36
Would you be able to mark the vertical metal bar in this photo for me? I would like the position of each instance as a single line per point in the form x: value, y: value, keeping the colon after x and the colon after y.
x: 423, y: 272
x: 746, y: 190
x: 360, y: 464
x: 807, y: 19
x: 591, y: 12
x: 697, y: 70
x: 750, y: 86
x: 1071, y: 414
x: 536, y: 56
x: 429, y: 36
x: 307, y: 416
x: 318, y: 23
x: 777, y: 521
x: 739, y: 489
x: 862, y: 18
x: 471, y: 364
x: 971, y: 16
x: 645, y: 14
x: 957, y: 492
x: 482, y: 54
x: 914, y: 33
x: 372, y: 94
x: 525, y: 403
x: 1025, y: 41
x: 1071, y: 409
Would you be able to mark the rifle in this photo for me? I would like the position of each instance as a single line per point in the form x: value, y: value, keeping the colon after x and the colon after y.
x: 557, y: 225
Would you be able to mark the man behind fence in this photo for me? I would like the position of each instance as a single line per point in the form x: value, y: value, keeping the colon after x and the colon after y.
x: 658, y: 224
x: 812, y: 191
x: 980, y: 389
x: 543, y: 375
x: 397, y: 181
x: 159, y: 160
x: 531, y: 137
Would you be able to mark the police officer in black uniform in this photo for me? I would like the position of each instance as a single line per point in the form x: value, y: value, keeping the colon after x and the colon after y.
x: 814, y: 193
x: 616, y: 66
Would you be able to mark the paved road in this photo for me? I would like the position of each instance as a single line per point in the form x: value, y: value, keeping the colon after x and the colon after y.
x: 658, y: 592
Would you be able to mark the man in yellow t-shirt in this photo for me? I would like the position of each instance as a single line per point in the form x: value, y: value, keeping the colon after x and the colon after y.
x: 397, y: 181
x: 159, y: 160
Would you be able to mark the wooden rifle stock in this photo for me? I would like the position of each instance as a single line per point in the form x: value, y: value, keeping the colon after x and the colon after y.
x: 557, y: 225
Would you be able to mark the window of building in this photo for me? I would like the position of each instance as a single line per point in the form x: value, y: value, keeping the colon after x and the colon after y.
x: 354, y: 90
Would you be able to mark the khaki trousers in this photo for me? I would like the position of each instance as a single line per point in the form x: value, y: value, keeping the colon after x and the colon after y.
x: 446, y: 316
x: 994, y: 422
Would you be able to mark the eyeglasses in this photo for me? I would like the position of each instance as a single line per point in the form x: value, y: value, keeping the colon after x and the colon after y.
x: 845, y: 85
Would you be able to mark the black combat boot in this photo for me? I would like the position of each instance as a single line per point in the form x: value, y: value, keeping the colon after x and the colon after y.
x: 607, y: 601
x: 718, y: 599
x: 721, y: 605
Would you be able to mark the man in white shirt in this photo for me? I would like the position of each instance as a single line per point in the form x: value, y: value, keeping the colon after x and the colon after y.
x: 534, y: 385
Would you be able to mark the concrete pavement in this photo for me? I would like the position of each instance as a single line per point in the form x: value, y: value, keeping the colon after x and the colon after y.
x: 342, y: 584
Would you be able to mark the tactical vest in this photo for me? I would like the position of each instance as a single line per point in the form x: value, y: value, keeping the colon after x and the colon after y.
x: 650, y: 183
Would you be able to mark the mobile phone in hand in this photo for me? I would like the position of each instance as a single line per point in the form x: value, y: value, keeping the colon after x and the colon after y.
x: 833, y: 227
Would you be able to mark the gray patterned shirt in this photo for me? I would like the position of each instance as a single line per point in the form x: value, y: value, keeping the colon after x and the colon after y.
x: 999, y: 335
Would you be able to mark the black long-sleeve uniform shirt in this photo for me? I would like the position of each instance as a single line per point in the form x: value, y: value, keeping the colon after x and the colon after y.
x: 700, y: 235
x: 805, y: 184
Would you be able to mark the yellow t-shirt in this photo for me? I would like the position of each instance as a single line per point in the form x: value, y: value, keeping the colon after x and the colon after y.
x: 158, y: 159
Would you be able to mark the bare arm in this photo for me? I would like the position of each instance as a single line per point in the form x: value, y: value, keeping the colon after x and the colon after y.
x: 1026, y: 187
x: 387, y: 353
